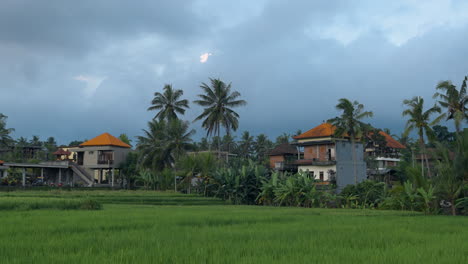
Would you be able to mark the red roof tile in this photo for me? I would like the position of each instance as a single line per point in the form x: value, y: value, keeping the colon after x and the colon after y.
x: 60, y: 151
x: 105, y: 139
x: 391, y: 142
x: 283, y: 149
x: 323, y: 130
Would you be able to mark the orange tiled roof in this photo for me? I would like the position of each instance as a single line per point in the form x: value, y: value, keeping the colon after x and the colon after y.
x: 323, y: 130
x: 391, y: 142
x: 1, y: 162
x: 105, y: 139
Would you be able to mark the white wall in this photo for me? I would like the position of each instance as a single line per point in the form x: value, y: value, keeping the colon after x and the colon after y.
x: 317, y: 170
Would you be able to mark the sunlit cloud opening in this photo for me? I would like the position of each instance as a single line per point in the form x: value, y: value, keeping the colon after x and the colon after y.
x: 92, y: 83
x: 204, y: 57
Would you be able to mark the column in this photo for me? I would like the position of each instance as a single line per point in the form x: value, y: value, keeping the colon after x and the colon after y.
x: 60, y: 176
x: 42, y: 175
x: 99, y: 176
x: 24, y: 177
x: 112, y: 173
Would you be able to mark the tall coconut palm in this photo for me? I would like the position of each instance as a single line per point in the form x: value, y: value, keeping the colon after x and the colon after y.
x: 218, y: 101
x: 168, y: 103
x: 454, y: 101
x: 349, y: 124
x: 419, y: 120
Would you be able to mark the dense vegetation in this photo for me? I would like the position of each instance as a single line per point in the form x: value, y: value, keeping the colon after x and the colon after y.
x: 168, y: 158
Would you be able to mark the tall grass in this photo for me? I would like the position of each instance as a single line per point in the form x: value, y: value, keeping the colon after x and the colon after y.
x: 26, y: 203
x: 138, y: 233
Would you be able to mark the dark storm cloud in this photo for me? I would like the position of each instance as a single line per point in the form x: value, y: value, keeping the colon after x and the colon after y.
x: 76, y: 70
x: 82, y: 25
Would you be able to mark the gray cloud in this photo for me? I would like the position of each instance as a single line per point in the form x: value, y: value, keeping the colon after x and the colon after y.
x: 290, y: 61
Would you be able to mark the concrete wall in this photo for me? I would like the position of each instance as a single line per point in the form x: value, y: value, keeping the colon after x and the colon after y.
x: 90, y: 158
x: 317, y: 169
x: 345, y: 165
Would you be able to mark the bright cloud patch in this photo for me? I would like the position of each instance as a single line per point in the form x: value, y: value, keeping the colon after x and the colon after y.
x: 92, y: 83
x: 204, y: 57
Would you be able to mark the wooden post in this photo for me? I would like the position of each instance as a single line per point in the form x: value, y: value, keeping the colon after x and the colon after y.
x: 24, y: 177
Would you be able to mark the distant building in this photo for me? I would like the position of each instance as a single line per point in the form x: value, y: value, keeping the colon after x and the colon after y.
x: 94, y: 162
x: 100, y: 157
x: 330, y: 159
x: 384, y: 155
x: 282, y: 157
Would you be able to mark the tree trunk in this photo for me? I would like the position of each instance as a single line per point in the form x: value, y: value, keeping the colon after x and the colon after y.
x: 219, y: 144
x: 354, y: 159
x: 423, y: 148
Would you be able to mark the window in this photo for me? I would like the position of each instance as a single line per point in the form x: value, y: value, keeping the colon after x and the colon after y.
x: 321, y: 175
x: 91, y: 152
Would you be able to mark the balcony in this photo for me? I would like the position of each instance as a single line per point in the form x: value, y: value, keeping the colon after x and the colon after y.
x: 315, y: 162
x: 105, y: 162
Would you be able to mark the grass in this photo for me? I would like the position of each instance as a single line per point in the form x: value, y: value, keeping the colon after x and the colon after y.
x: 131, y: 231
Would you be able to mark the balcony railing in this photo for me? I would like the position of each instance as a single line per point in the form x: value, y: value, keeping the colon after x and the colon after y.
x: 105, y: 162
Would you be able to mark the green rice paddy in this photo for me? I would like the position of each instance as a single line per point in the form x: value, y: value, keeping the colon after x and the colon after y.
x: 155, y: 227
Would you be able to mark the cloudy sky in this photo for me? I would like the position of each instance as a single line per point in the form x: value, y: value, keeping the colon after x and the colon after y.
x: 75, y: 69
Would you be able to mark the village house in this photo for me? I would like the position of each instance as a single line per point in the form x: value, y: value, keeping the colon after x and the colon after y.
x: 93, y: 163
x: 383, y: 155
x: 99, y: 158
x: 283, y: 156
x: 330, y: 159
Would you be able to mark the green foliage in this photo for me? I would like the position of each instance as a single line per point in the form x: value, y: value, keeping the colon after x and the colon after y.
x: 163, y: 143
x: 218, y: 101
x: 129, y: 169
x: 168, y: 103
x: 125, y: 139
x: 454, y: 101
x: 239, y: 185
x: 367, y: 193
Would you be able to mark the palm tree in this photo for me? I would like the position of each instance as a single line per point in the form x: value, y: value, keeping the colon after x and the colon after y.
x: 349, y: 124
x: 218, y: 101
x: 246, y: 145
x: 419, y: 121
x: 262, y: 146
x: 164, y: 143
x: 282, y: 139
x: 454, y: 101
x: 168, y: 103
x: 5, y: 138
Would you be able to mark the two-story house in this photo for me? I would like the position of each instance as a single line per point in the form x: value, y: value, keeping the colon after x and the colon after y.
x: 330, y: 159
x: 100, y: 157
x: 283, y: 156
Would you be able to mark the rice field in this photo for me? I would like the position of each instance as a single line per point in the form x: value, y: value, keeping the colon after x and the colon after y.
x: 150, y: 227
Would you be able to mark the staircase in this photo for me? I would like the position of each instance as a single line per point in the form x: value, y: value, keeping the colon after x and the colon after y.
x: 84, y: 175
